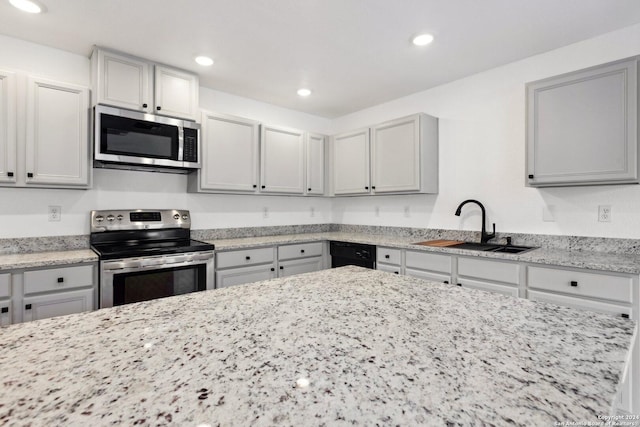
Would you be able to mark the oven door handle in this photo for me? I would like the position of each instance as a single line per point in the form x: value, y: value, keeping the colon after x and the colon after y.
x: 151, y: 264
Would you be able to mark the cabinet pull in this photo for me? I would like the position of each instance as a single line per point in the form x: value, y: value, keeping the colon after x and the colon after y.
x: 530, y: 176
x: 60, y: 279
x: 446, y: 282
x: 281, y: 268
x: 247, y: 257
x: 396, y: 272
x: 574, y: 283
x: 262, y: 186
x: 373, y: 187
x: 30, y: 175
x: 301, y: 251
x: 366, y: 188
x: 308, y: 189
x: 4, y: 310
x: 158, y: 108
x: 9, y: 173
x: 625, y: 315
x: 386, y: 256
x: 459, y: 284
x: 255, y: 186
x: 273, y: 269
x: 27, y: 307
x: 144, y: 105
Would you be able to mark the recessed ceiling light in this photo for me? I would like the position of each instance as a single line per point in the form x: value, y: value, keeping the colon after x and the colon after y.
x: 304, y: 92
x: 28, y: 6
x: 422, y: 39
x: 204, y: 60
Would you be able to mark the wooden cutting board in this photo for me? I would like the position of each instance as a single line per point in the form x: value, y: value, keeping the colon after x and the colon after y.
x: 440, y: 243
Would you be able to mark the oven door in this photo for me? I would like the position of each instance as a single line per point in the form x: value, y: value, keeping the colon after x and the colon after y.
x: 129, y: 280
x: 124, y: 136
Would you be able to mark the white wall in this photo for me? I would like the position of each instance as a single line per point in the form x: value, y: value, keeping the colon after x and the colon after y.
x: 23, y: 212
x: 482, y: 154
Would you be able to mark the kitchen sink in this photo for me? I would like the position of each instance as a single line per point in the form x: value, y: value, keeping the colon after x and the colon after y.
x: 485, y: 247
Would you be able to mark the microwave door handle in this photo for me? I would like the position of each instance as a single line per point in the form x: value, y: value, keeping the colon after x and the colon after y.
x: 180, y: 143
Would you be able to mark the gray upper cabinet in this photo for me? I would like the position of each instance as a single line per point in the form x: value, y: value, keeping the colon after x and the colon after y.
x: 582, y: 127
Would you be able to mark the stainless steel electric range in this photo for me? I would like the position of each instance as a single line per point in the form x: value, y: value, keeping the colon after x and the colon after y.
x: 148, y: 254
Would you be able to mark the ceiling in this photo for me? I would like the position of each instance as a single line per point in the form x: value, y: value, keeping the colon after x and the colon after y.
x: 352, y: 54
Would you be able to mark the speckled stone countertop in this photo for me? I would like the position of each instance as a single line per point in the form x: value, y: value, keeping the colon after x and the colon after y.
x: 620, y: 263
x: 46, y: 259
x: 346, y: 346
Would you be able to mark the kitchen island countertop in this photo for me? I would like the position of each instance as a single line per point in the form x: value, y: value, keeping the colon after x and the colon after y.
x: 334, y: 347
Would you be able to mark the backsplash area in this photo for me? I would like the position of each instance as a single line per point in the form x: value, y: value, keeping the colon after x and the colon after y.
x: 573, y: 243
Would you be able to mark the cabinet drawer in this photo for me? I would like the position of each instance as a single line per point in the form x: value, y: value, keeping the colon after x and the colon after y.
x: 5, y: 285
x: 428, y: 261
x: 242, y: 275
x: 581, y: 283
x: 427, y: 275
x: 490, y: 287
x: 244, y: 257
x: 580, y: 303
x: 489, y: 270
x: 300, y: 266
x: 388, y: 268
x: 389, y: 256
x: 301, y: 250
x: 55, y: 279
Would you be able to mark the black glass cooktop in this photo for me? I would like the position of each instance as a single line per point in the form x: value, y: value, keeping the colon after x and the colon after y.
x: 130, y: 249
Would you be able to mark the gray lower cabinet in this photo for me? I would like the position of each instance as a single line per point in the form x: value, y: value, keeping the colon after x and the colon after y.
x: 254, y: 264
x: 242, y: 275
x: 429, y: 266
x: 581, y: 127
x: 51, y: 292
x: 5, y: 299
x: 488, y: 275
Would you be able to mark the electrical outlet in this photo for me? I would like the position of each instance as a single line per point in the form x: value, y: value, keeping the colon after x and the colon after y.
x: 604, y: 213
x: 265, y: 212
x: 55, y: 213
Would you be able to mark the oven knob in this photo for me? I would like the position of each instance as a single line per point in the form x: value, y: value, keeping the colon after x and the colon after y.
x: 99, y: 218
x: 185, y: 217
x: 176, y: 217
x: 120, y: 217
x: 110, y: 218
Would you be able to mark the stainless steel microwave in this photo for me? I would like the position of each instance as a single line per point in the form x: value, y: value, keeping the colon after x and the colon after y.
x: 126, y: 139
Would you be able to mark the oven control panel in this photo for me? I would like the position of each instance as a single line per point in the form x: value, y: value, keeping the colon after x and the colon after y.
x: 139, y: 219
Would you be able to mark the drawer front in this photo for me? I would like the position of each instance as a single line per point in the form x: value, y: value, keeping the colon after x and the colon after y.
x: 389, y: 256
x: 388, y: 268
x: 300, y: 266
x: 580, y: 303
x: 581, y: 283
x: 494, y: 271
x: 5, y: 285
x: 240, y: 276
x: 428, y: 261
x: 490, y: 287
x: 428, y: 275
x: 244, y: 257
x: 300, y: 250
x: 56, y: 279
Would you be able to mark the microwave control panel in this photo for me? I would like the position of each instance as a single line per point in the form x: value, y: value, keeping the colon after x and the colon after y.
x: 190, y: 145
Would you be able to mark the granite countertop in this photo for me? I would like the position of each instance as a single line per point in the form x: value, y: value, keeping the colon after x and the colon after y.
x: 620, y: 263
x: 335, y: 347
x: 46, y: 259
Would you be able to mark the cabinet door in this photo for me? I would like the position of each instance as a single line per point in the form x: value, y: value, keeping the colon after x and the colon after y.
x: 239, y: 276
x: 389, y: 268
x: 176, y: 93
x: 428, y: 275
x: 57, y: 145
x: 230, y: 153
x: 7, y: 126
x: 315, y: 164
x: 299, y: 266
x: 395, y: 155
x: 489, y: 287
x: 123, y: 81
x: 282, y: 160
x: 351, y: 163
x: 581, y: 127
x: 58, y: 304
x: 5, y: 299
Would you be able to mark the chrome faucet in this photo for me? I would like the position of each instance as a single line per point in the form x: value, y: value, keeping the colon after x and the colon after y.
x: 484, y: 236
